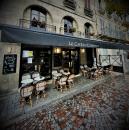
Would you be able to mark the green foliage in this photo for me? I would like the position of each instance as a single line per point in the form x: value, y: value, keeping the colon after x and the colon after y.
x: 120, y: 6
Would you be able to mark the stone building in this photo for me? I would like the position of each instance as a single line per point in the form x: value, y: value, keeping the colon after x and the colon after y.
x: 42, y: 35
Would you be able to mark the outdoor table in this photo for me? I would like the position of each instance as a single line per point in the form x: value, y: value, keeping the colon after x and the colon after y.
x: 66, y: 73
x: 57, y: 74
x: 27, y: 81
x: 37, y: 79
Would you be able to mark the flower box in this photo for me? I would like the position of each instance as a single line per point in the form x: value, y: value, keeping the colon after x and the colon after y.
x: 91, y: 34
x: 71, y: 30
x: 43, y: 24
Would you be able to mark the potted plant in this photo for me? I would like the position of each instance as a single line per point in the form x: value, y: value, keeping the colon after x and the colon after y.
x: 71, y: 30
x: 34, y: 22
x: 43, y: 24
x: 91, y: 34
x: 101, y: 11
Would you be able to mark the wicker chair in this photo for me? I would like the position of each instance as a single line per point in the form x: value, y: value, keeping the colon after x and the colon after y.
x: 84, y: 72
x: 70, y: 80
x: 25, y: 95
x: 61, y: 84
x: 40, y: 88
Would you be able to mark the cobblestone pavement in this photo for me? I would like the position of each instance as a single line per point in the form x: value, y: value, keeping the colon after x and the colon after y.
x: 103, y: 107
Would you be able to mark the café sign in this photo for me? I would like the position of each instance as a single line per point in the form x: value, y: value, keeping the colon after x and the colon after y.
x: 80, y: 44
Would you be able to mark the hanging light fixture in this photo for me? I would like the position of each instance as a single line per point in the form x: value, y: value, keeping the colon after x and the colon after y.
x: 57, y: 50
x: 82, y: 50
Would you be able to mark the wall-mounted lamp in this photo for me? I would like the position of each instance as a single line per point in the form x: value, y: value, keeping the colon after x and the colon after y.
x: 57, y: 50
x: 9, y: 49
x: 83, y: 50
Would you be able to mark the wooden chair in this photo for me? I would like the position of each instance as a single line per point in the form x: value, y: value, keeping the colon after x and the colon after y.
x: 94, y: 74
x: 70, y: 80
x: 100, y: 72
x: 54, y: 78
x: 61, y: 84
x: 84, y: 72
x: 40, y: 89
x: 25, y: 95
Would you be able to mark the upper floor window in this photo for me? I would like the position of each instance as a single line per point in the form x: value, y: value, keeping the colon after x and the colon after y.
x: 88, y: 30
x: 100, y: 4
x: 87, y: 4
x: 38, y: 18
x: 102, y: 26
x: 68, y: 25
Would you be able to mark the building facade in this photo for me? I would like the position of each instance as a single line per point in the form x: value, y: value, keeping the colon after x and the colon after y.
x: 42, y: 35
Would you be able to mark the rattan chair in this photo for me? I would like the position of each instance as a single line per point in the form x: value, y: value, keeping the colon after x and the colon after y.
x: 26, y: 95
x: 61, y: 84
x: 40, y: 89
x: 84, y: 72
x: 70, y: 81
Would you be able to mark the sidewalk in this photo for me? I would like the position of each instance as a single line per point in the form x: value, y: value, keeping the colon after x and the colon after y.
x: 14, y: 114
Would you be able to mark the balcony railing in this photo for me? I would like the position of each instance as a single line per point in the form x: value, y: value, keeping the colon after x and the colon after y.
x: 37, y: 26
x: 75, y: 33
x: 88, y: 12
x: 70, y: 4
x: 101, y: 11
x: 125, y: 23
x: 112, y: 36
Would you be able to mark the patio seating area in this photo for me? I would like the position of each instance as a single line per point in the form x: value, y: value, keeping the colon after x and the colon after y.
x: 12, y: 107
x: 13, y: 113
x: 34, y: 85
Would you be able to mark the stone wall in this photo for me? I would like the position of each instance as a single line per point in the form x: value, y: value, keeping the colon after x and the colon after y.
x: 9, y: 82
x: 11, y: 11
x: 126, y: 61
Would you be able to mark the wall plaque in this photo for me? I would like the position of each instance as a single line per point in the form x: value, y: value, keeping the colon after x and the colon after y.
x: 9, y: 63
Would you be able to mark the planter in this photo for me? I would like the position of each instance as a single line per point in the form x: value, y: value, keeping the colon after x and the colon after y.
x: 43, y: 24
x: 101, y: 11
x: 109, y: 16
x: 91, y: 34
x: 71, y: 30
x: 34, y: 23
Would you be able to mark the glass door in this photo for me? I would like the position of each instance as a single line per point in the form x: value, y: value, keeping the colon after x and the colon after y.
x: 70, y: 60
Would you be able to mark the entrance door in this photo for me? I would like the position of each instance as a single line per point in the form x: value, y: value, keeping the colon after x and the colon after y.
x: 70, y: 60
x: 89, y: 54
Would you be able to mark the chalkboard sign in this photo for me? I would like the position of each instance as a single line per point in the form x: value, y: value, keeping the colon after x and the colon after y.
x: 9, y: 64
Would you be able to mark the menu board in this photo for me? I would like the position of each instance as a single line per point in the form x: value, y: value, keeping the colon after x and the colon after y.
x: 9, y: 63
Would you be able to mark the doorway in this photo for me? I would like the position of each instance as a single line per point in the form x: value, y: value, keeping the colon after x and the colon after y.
x: 90, y: 57
x: 70, y: 60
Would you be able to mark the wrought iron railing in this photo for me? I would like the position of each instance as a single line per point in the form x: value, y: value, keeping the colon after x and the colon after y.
x: 37, y: 26
x: 114, y: 60
x: 88, y: 12
x: 70, y: 4
x: 112, y: 34
x: 72, y: 33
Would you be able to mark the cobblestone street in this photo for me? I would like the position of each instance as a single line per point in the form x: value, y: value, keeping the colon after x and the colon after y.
x: 104, y: 107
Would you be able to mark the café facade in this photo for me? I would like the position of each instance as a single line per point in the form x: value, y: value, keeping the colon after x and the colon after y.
x: 43, y: 52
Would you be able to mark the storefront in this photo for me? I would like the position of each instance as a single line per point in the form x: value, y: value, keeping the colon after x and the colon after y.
x: 43, y: 51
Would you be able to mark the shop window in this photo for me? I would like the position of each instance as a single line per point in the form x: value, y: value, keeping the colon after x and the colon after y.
x: 57, y: 57
x: 128, y: 55
x: 57, y: 60
x: 36, y: 60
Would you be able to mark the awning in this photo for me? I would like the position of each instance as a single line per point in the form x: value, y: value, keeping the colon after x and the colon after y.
x: 26, y: 36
